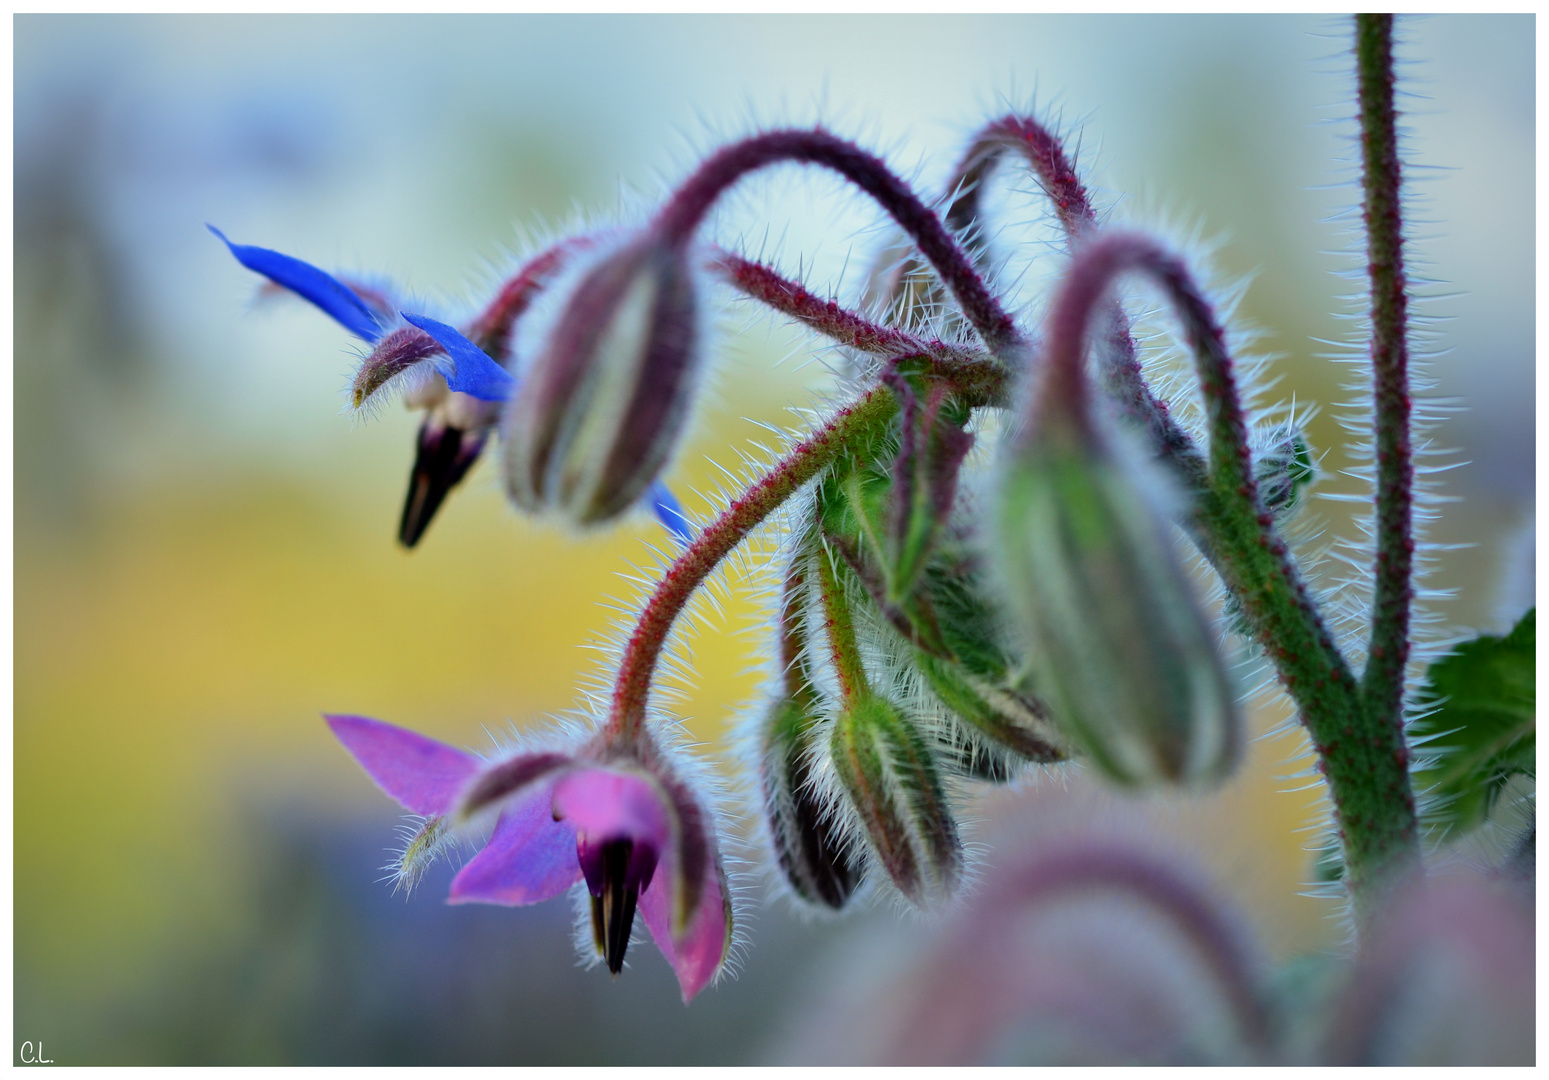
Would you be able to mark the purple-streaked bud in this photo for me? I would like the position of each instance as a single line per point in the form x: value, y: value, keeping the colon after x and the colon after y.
x: 1117, y: 644
x: 814, y: 857
x: 1010, y: 718
x: 931, y: 447
x: 606, y: 397
x: 887, y: 769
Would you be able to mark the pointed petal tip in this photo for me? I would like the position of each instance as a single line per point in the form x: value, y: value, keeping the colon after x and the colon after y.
x: 698, y: 955
x: 423, y: 775
x: 318, y: 287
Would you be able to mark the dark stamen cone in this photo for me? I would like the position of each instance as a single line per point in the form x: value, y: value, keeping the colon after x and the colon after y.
x: 443, y: 456
x: 616, y: 872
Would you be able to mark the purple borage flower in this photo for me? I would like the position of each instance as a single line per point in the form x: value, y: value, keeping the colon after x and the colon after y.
x: 617, y: 816
x: 463, y: 405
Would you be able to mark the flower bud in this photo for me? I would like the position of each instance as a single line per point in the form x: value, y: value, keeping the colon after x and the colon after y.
x: 814, y: 856
x: 1118, y: 646
x: 1282, y: 467
x: 886, y: 768
x: 605, y: 399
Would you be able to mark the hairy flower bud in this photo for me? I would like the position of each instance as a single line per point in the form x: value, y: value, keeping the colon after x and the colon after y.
x: 1282, y: 467
x: 605, y: 399
x: 1118, y: 645
x: 887, y: 769
x: 814, y: 857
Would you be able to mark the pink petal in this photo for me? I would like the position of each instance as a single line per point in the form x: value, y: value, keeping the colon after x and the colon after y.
x: 530, y: 857
x: 699, y: 953
x: 607, y: 804
x: 422, y: 774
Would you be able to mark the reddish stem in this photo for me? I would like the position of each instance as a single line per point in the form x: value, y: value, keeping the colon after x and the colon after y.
x: 688, y: 206
x: 491, y: 329
x: 633, y: 684
x: 790, y: 298
x: 1045, y: 155
x: 1383, y: 680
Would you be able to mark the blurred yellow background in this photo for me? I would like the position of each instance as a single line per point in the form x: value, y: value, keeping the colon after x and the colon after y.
x: 204, y: 559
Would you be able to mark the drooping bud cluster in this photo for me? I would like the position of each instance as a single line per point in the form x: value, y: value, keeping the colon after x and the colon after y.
x: 941, y: 623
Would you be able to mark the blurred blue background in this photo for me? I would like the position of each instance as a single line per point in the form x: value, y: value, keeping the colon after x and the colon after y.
x: 204, y: 555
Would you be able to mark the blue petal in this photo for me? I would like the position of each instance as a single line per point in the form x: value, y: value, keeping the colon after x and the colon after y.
x: 308, y: 282
x: 670, y: 513
x: 474, y: 373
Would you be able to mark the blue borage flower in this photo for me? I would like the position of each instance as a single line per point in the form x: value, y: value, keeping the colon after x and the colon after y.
x: 448, y: 445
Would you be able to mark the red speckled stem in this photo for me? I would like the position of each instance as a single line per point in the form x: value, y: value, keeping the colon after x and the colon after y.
x: 1056, y: 173
x: 1383, y: 680
x: 689, y: 204
x: 633, y: 685
x: 491, y: 329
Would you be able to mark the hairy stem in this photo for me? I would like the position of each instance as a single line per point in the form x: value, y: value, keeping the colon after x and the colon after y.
x: 1364, y: 763
x: 842, y: 647
x: 1383, y: 680
x: 491, y: 329
x: 688, y: 206
x: 852, y: 425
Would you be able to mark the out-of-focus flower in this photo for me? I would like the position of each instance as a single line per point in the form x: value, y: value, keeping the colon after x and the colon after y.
x: 607, y: 395
x: 1081, y: 947
x: 621, y: 820
x: 1445, y: 978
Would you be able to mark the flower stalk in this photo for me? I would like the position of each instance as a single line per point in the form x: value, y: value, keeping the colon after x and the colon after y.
x: 1388, y: 654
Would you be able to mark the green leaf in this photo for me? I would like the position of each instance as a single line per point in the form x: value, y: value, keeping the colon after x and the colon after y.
x: 1483, y: 726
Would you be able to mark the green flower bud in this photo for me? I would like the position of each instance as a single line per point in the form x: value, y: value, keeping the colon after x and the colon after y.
x: 1118, y: 646
x: 886, y: 767
x: 1283, y: 466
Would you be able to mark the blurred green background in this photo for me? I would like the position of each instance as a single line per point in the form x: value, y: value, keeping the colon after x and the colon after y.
x: 203, y: 542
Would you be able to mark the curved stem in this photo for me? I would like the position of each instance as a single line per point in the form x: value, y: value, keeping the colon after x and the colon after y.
x: 689, y: 204
x: 633, y: 684
x: 971, y: 371
x: 1364, y: 762
x: 491, y: 328
x: 1056, y: 173
x: 826, y: 317
x: 1383, y: 680
x: 1195, y: 917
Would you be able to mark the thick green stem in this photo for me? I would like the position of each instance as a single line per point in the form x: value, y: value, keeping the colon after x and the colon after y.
x: 1363, y: 760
